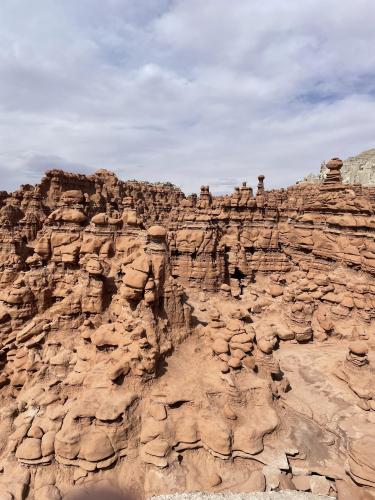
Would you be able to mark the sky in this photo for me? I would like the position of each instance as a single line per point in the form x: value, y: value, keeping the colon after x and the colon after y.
x: 188, y: 91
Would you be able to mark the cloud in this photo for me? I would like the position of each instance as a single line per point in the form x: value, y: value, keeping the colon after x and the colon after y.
x: 190, y: 92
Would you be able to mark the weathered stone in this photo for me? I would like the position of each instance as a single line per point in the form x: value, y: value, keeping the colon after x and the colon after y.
x: 202, y: 330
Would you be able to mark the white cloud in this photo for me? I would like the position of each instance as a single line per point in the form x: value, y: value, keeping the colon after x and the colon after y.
x: 187, y: 91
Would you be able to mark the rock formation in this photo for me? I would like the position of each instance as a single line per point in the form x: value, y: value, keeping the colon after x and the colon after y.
x: 358, y: 169
x: 356, y: 372
x: 170, y: 343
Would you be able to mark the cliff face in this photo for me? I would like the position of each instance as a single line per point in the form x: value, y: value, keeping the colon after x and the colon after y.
x: 173, y: 343
x: 356, y: 170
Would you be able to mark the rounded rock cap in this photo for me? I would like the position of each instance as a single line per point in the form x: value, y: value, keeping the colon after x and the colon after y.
x: 334, y: 164
x: 358, y: 347
x: 157, y: 231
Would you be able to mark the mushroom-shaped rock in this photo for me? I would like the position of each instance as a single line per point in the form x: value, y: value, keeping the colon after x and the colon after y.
x: 334, y: 166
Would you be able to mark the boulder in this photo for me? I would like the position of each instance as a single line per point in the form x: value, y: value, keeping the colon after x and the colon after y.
x: 29, y: 449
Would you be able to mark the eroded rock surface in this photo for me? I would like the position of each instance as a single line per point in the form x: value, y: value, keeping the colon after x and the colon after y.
x: 170, y: 343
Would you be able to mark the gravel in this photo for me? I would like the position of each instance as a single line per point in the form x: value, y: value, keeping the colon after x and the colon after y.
x: 284, y: 495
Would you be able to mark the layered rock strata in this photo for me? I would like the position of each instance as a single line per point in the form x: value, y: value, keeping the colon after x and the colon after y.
x: 146, y: 337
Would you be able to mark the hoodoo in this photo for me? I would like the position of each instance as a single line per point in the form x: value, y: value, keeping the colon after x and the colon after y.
x: 334, y: 167
x: 167, y: 343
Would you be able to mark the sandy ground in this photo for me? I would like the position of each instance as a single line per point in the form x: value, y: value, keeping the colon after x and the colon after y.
x: 285, y: 495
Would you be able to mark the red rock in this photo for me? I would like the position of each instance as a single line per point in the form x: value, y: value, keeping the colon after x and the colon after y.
x: 197, y: 304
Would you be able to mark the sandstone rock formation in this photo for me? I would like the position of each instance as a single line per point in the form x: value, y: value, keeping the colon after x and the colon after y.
x: 170, y: 343
x: 358, y: 169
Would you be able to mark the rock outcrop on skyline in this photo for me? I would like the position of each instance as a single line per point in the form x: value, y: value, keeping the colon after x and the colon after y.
x: 358, y: 169
x: 169, y: 343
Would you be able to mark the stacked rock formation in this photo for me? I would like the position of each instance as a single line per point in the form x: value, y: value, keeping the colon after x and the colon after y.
x: 358, y: 169
x: 146, y: 337
x: 334, y: 175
